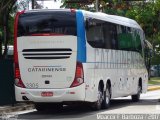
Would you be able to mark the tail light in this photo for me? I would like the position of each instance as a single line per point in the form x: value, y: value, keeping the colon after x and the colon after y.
x: 79, y: 76
x: 18, y: 81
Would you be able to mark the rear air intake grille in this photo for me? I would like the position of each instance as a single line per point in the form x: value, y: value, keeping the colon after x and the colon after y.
x: 47, y: 53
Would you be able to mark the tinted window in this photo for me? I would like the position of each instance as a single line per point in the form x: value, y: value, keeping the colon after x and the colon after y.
x: 125, y: 38
x: 101, y: 34
x: 110, y: 35
x: 129, y: 39
x: 137, y: 41
x: 57, y: 22
x: 95, y: 35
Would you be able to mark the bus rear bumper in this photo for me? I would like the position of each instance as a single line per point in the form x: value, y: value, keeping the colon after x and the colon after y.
x: 59, y: 95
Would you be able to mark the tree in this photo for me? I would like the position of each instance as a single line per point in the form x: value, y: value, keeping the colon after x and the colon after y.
x: 147, y: 14
x: 5, y: 8
x: 77, y: 4
x: 8, y: 8
x: 24, y: 4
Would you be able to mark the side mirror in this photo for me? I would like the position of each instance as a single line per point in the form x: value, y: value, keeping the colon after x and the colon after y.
x: 149, y: 53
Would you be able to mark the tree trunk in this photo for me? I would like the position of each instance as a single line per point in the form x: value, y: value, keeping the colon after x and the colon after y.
x: 6, y: 36
x: 5, y: 33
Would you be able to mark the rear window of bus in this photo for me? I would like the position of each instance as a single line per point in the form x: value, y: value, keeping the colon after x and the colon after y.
x: 51, y: 22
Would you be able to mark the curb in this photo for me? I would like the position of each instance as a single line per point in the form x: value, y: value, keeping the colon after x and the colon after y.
x: 17, y: 108
x: 153, y: 88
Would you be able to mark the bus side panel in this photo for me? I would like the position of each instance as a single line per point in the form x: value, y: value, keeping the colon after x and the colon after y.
x: 145, y: 82
x: 116, y: 66
x: 89, y: 74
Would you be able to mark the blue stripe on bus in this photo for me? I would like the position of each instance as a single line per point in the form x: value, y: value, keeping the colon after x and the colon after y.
x: 81, y: 42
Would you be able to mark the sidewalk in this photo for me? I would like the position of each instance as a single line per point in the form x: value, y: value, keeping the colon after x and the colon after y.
x: 23, y: 106
x: 17, y: 107
x: 153, y: 87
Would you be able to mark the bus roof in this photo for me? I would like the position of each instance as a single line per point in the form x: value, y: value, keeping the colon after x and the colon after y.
x: 113, y: 19
x: 99, y: 15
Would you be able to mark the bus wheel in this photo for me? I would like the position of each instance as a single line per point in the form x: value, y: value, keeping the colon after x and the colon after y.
x: 48, y: 106
x: 136, y: 97
x: 57, y: 106
x: 106, y: 98
x: 98, y: 104
x: 40, y: 106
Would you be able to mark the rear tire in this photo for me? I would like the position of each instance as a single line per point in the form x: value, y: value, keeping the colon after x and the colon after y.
x: 136, y: 97
x: 40, y: 107
x: 106, y: 98
x: 48, y: 106
x: 98, y: 104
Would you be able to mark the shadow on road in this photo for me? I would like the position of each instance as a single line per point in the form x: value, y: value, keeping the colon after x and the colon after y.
x: 67, y: 112
x: 79, y: 111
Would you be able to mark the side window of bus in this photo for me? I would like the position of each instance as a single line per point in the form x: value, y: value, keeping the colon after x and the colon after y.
x: 101, y: 34
x: 129, y: 39
x: 47, y: 22
x: 110, y: 36
x: 94, y: 33
x: 137, y: 41
x: 125, y: 38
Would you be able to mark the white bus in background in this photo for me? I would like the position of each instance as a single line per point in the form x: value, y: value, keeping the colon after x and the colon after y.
x: 70, y: 56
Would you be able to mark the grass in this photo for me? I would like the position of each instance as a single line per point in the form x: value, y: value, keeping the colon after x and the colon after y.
x: 154, y: 81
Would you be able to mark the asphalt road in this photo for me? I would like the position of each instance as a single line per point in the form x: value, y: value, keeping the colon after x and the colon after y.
x: 149, y: 103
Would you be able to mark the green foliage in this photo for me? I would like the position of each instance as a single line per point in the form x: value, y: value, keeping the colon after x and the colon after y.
x: 155, y: 60
x: 5, y: 32
x: 8, y: 8
x: 77, y: 5
x: 148, y: 16
x: 11, y: 28
x: 154, y: 81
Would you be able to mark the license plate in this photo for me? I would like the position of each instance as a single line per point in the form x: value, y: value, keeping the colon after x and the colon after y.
x: 47, y: 94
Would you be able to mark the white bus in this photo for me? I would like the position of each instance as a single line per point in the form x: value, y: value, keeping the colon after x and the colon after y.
x: 69, y: 56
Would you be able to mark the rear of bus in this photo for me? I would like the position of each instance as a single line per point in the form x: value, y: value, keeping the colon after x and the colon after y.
x: 48, y: 56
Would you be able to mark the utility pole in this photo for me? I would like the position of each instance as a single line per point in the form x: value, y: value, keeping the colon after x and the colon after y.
x: 97, y: 5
